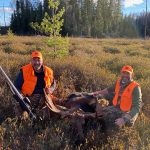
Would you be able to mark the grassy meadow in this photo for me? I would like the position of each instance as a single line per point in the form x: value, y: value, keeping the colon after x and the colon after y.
x: 92, y: 64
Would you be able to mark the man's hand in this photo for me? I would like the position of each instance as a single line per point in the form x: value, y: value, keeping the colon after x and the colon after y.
x: 120, y: 122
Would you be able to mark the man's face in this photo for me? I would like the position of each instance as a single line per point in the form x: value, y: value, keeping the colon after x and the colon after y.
x: 126, y: 76
x: 37, y: 63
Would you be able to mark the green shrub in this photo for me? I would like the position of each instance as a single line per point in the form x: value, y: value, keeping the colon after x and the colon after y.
x: 10, y: 34
x: 59, y: 45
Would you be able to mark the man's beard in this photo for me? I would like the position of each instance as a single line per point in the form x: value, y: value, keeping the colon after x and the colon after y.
x: 125, y: 80
x: 37, y: 67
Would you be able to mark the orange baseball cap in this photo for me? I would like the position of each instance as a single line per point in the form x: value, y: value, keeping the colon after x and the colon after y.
x: 36, y: 54
x: 127, y: 68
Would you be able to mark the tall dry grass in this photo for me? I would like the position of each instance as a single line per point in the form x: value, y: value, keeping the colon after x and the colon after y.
x: 92, y: 64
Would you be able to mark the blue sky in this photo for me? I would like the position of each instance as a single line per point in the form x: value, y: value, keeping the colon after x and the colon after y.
x: 128, y: 6
x: 135, y: 6
x: 8, y: 11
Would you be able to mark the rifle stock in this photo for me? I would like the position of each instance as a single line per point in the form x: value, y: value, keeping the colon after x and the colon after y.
x: 19, y: 97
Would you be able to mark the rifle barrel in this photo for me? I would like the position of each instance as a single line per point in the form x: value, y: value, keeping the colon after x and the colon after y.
x: 16, y: 91
x: 10, y: 83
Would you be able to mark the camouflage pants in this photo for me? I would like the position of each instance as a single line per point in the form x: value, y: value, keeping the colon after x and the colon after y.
x: 111, y: 113
x: 37, y: 105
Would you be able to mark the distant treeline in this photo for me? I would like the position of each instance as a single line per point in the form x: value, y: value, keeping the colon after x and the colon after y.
x: 82, y: 18
x: 4, y: 30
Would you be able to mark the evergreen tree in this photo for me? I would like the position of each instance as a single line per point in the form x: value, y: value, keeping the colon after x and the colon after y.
x: 98, y: 21
x: 81, y: 18
x: 87, y: 17
x: 128, y: 27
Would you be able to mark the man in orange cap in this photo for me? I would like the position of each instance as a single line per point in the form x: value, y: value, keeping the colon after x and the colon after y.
x: 126, y: 100
x: 32, y: 79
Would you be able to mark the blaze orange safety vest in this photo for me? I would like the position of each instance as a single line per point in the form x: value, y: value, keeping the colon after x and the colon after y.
x: 126, y: 97
x: 30, y: 79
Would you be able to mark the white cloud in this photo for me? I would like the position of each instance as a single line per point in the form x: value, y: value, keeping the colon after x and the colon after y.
x: 7, y: 10
x: 130, y: 3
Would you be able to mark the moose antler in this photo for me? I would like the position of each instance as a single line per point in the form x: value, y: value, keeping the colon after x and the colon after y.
x: 50, y: 104
x: 72, y: 111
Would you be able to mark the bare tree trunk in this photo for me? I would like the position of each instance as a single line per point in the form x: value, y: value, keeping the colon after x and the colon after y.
x: 4, y: 14
x: 146, y: 21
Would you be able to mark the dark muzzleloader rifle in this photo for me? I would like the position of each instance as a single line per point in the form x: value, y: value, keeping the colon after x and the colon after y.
x: 23, y: 101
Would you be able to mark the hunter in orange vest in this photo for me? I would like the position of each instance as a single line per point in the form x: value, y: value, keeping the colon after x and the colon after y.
x: 30, y: 80
x: 33, y: 78
x: 126, y: 99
